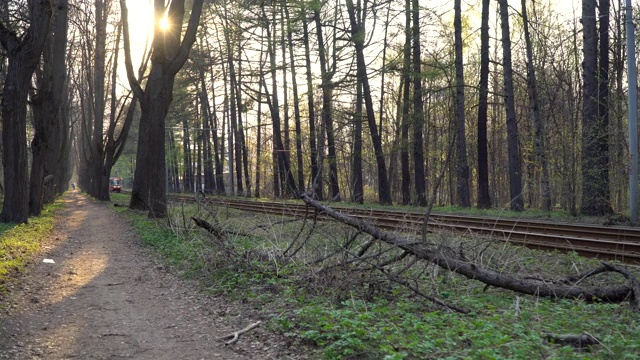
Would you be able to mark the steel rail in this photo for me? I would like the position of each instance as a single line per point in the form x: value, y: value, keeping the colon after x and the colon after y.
x: 607, y: 242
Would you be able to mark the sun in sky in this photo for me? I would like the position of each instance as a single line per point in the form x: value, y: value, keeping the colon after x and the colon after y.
x: 164, y: 24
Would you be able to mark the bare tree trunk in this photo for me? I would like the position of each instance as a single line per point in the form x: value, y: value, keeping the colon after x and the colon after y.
x: 218, y: 146
x: 234, y: 106
x: 24, y: 55
x: 405, y: 178
x: 209, y: 178
x: 260, y: 75
x: 538, y: 137
x: 326, y: 115
x: 241, y: 130
x: 296, y: 101
x: 383, y: 72
x: 100, y: 188
x: 484, y: 199
x: 284, y: 166
x: 515, y: 167
x: 187, y: 162
x: 114, y: 145
x: 357, y: 194
x: 316, y: 179
x: 49, y: 138
x: 169, y: 55
x: 462, y: 169
x: 174, y: 177
x: 418, y: 114
x: 285, y: 85
x: 595, y: 157
x: 357, y: 37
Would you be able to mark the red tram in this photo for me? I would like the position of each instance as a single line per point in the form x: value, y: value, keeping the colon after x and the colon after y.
x: 115, y: 184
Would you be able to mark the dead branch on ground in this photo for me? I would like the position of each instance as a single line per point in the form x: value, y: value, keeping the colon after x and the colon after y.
x: 579, y: 342
x: 452, y: 260
x: 236, y: 335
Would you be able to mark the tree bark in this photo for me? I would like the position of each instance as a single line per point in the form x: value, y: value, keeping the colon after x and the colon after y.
x: 49, y: 139
x: 484, y: 199
x: 418, y: 113
x: 187, y: 163
x: 357, y: 37
x: 405, y: 178
x: 515, y: 168
x: 326, y: 113
x: 316, y: 172
x: 296, y: 101
x: 538, y: 137
x: 169, y: 55
x: 462, y: 169
x: 209, y: 178
x: 24, y: 56
x: 357, y: 193
x: 595, y: 121
x: 282, y: 158
x: 100, y: 179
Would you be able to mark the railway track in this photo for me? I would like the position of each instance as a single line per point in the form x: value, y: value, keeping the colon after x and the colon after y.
x: 608, y: 242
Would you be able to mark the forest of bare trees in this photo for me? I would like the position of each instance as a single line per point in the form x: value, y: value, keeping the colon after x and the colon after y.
x: 504, y: 104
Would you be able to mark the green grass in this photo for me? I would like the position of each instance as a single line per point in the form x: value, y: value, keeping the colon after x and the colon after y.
x: 18, y: 243
x: 335, y: 319
x: 407, y: 329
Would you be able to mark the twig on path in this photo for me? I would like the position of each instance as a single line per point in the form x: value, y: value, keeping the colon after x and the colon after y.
x: 236, y: 335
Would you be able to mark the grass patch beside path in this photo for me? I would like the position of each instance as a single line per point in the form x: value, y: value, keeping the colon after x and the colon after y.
x: 156, y: 234
x: 342, y: 316
x: 18, y: 243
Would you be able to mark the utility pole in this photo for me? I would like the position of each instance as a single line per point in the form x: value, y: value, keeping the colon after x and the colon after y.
x: 633, y: 116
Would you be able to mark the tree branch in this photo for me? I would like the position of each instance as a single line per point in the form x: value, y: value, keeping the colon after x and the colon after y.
x: 235, y: 335
x: 189, y: 38
x: 447, y: 258
x: 133, y: 82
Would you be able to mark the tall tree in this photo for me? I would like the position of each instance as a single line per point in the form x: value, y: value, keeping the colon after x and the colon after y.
x: 99, y: 179
x: 595, y: 162
x: 484, y: 200
x: 405, y: 179
x: 296, y: 100
x: 209, y: 182
x: 281, y: 157
x: 358, y: 37
x: 169, y: 53
x: 327, y: 104
x: 538, y: 136
x: 418, y: 113
x: 462, y: 169
x: 51, y: 134
x: 515, y: 171
x: 357, y: 187
x: 357, y: 192
x: 316, y: 169
x: 24, y: 55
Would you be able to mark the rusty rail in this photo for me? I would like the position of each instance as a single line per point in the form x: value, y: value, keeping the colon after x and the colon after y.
x: 608, y: 242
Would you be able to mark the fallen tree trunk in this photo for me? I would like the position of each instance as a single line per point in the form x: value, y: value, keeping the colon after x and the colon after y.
x: 449, y: 259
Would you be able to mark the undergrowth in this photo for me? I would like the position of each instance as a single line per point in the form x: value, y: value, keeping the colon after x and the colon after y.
x: 344, y: 314
x: 19, y: 242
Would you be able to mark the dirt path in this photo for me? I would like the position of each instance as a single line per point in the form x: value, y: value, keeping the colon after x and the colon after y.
x: 106, y: 297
